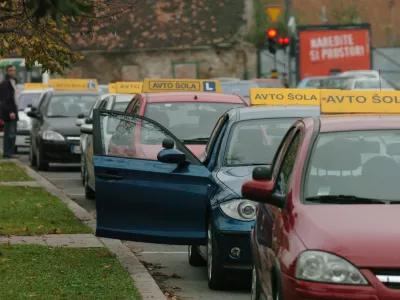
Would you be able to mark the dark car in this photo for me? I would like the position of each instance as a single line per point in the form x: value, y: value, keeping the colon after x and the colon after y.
x: 54, y: 135
x: 182, y: 199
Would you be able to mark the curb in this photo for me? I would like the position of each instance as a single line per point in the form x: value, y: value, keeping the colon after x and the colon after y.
x: 143, y: 281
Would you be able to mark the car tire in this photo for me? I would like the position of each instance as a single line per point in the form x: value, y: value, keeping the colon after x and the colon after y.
x: 16, y: 150
x: 41, y: 164
x: 89, y: 192
x: 32, y: 156
x: 215, y: 272
x: 255, y: 286
x: 195, y: 258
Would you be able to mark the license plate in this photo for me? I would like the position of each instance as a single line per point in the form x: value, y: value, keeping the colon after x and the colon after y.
x: 76, y: 149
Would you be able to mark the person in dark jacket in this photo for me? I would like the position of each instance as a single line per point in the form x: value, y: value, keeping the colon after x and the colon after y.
x: 9, y: 110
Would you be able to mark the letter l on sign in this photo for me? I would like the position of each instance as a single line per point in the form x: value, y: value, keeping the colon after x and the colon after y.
x: 209, y: 86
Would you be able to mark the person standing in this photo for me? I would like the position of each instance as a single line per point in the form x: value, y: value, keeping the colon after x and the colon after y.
x: 9, y: 110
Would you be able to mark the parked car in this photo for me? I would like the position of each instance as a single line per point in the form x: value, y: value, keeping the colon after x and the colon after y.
x: 241, y: 88
x: 315, y: 82
x: 361, y: 73
x: 367, y: 84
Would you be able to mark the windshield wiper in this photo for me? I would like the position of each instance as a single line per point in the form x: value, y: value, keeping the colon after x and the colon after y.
x: 345, y: 199
x: 196, y: 141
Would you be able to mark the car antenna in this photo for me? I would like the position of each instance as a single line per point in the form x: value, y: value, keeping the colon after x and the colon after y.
x: 379, y: 75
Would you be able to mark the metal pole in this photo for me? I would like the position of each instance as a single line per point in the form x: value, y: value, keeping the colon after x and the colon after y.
x: 275, y: 62
x: 287, y: 17
x: 258, y: 63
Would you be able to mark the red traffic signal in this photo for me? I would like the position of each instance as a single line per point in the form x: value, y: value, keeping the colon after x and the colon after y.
x: 271, y: 33
x: 283, y: 41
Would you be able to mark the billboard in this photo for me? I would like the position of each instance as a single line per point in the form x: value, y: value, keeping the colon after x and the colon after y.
x: 331, y: 51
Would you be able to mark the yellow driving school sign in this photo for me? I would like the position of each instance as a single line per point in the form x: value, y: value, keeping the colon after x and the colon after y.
x: 129, y: 87
x: 158, y: 85
x: 74, y: 84
x: 112, y: 88
x: 284, y: 97
x: 376, y: 102
x: 36, y: 86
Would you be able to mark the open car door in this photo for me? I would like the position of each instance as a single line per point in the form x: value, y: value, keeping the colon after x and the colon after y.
x: 147, y: 198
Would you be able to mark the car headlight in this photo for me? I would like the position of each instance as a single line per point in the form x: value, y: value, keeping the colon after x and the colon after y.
x: 239, y: 209
x: 52, y: 136
x: 325, y: 267
x: 22, y: 124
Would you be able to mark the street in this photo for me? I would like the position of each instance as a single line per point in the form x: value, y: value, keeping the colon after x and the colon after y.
x: 168, y: 264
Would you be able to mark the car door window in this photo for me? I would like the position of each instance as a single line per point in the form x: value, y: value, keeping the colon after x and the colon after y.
x: 280, y: 152
x: 285, y: 172
x: 134, y: 137
x: 217, y: 147
x: 214, y: 135
x: 136, y: 107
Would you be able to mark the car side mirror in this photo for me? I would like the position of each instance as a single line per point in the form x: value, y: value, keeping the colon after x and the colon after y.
x: 261, y: 173
x: 79, y: 122
x: 171, y: 156
x: 34, y: 114
x: 27, y: 109
x: 81, y: 116
x: 168, y: 143
x: 89, y: 121
x: 86, y: 128
x: 260, y: 191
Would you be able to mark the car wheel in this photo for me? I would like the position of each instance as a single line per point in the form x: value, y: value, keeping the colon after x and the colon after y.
x: 16, y: 150
x: 32, y: 157
x: 195, y: 258
x: 255, y: 286
x: 215, y: 272
x: 89, y: 192
x: 42, y: 165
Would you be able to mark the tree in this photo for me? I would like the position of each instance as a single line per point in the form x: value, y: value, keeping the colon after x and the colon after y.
x: 40, y: 30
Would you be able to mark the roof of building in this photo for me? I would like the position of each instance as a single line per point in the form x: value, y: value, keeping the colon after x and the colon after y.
x: 151, y: 24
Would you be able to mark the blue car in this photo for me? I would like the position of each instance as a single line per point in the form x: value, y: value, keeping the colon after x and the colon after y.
x: 177, y: 198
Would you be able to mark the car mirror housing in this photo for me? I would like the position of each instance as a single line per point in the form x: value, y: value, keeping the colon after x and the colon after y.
x: 86, y: 129
x: 262, y: 191
x: 171, y: 156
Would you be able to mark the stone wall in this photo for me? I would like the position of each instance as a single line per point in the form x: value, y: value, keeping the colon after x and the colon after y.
x: 111, y: 67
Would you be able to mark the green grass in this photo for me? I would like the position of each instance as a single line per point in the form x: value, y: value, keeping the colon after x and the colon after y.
x: 12, y: 172
x: 33, y: 211
x: 39, y: 272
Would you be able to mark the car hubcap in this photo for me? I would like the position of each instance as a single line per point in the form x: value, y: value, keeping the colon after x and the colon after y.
x: 254, y: 285
x: 209, y: 252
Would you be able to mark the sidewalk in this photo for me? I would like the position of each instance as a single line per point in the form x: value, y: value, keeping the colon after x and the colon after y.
x: 143, y: 281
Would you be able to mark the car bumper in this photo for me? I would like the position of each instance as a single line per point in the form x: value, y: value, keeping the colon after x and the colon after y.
x: 230, y: 233
x: 23, y: 139
x: 302, y: 290
x: 60, y: 151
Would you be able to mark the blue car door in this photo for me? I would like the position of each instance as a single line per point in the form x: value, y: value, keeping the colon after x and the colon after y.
x: 140, y: 198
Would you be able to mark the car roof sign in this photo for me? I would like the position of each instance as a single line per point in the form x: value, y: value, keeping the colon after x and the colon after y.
x: 157, y: 85
x: 74, y: 84
x: 284, y: 97
x: 35, y: 86
x: 128, y: 87
x: 363, y: 102
x: 112, y: 88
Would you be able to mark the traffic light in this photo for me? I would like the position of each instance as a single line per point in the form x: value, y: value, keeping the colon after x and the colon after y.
x: 271, y: 37
x: 283, y: 42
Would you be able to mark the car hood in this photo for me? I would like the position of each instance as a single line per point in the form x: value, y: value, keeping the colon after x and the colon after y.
x: 366, y: 235
x: 234, y: 177
x: 64, y: 126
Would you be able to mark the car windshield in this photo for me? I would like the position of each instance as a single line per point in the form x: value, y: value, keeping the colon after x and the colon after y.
x: 313, y: 83
x: 270, y: 84
x: 70, y: 106
x: 26, y: 99
x: 355, y: 165
x: 239, y: 88
x: 255, y: 142
x: 337, y: 82
x: 113, y: 122
x: 188, y: 121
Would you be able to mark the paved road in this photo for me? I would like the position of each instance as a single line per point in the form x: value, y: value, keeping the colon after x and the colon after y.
x: 168, y: 264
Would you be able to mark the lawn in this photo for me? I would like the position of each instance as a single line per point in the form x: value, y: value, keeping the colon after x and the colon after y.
x: 33, y: 211
x: 12, y: 172
x: 39, y: 272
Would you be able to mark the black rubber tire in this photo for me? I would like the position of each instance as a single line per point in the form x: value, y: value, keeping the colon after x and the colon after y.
x: 42, y: 165
x: 217, y: 281
x: 195, y: 258
x: 255, y: 287
x: 89, y: 192
x: 32, y: 156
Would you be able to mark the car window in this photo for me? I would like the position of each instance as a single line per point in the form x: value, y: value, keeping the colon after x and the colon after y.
x: 70, y: 105
x: 118, y: 106
x: 190, y: 122
x: 26, y: 99
x: 254, y: 142
x: 278, y: 156
x: 359, y: 163
x: 136, y: 107
x: 286, y: 169
x: 313, y: 83
x: 214, y: 134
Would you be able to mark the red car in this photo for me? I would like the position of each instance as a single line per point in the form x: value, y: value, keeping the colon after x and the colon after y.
x: 191, y: 116
x: 328, y: 225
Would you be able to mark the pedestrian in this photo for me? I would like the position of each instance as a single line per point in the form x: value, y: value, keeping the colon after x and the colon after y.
x: 9, y: 110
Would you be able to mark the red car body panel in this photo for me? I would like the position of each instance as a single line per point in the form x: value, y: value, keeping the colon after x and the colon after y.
x: 350, y: 231
x: 147, y: 151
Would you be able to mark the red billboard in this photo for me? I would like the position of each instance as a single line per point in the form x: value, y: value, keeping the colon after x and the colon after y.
x: 325, y: 52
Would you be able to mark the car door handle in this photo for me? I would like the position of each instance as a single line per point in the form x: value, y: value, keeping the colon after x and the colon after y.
x: 108, y: 176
